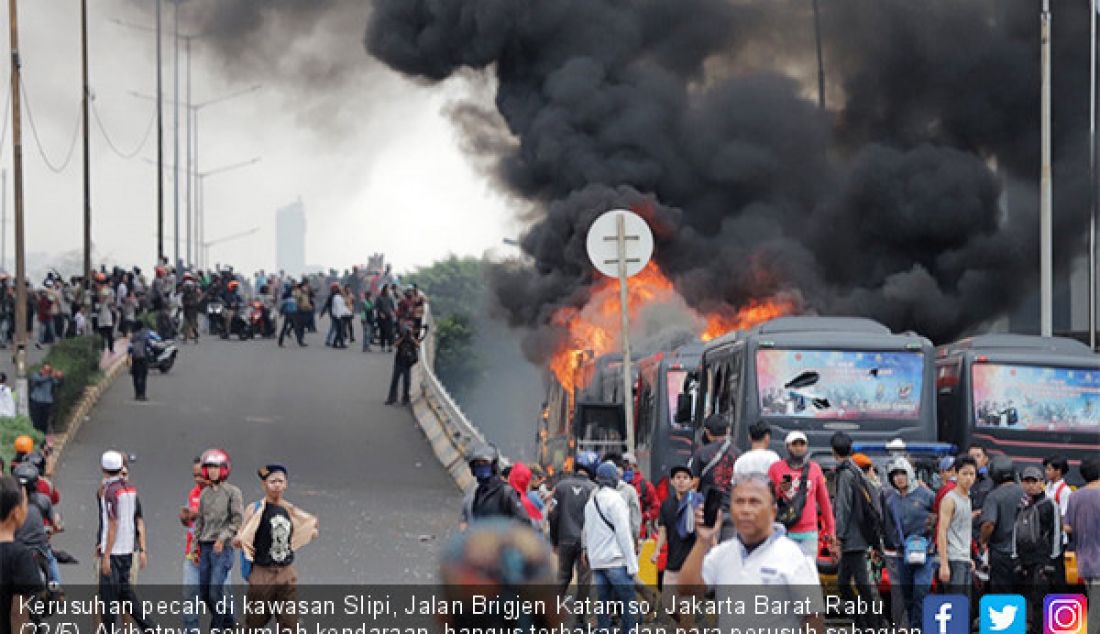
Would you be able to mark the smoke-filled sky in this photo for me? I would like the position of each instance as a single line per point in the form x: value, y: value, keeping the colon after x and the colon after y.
x: 373, y: 155
x: 912, y: 198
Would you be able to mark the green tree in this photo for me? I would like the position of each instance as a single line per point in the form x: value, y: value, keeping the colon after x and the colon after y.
x: 456, y: 291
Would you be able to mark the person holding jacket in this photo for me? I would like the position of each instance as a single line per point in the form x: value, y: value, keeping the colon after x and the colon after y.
x: 907, y: 539
x: 609, y: 543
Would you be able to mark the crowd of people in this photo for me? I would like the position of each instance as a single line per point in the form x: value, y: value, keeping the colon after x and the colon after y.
x: 894, y: 530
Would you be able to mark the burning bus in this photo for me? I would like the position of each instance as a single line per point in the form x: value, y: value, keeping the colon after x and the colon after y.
x: 660, y: 441
x: 818, y: 375
x: 1020, y: 395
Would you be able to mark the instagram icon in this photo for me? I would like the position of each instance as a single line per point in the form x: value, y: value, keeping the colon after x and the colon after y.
x: 1065, y: 614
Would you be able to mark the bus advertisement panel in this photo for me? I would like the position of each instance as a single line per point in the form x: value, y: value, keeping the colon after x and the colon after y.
x: 850, y: 385
x: 1036, y: 398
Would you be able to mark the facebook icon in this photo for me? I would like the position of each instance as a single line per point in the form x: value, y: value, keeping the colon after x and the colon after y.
x: 946, y: 614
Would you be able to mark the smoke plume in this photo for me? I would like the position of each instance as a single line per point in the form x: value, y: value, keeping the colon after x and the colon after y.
x: 909, y: 199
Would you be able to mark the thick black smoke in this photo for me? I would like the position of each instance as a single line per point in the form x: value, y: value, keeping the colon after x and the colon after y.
x: 703, y: 114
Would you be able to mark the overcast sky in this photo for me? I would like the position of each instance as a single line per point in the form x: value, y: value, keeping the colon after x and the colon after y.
x: 372, y: 155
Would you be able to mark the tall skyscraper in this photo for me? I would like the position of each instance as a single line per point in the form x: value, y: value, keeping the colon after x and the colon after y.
x: 290, y: 238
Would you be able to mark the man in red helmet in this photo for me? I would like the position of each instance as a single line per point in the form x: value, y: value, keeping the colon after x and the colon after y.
x: 219, y: 519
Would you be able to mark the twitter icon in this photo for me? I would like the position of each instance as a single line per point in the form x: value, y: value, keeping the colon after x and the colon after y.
x: 1003, y: 614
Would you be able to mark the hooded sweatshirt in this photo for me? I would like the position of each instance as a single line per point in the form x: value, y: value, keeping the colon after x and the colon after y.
x: 520, y: 479
x: 909, y: 508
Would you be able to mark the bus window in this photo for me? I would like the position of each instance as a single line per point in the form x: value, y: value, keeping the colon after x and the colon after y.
x: 645, y: 416
x: 1034, y: 398
x: 849, y: 385
x: 676, y: 382
x: 708, y: 400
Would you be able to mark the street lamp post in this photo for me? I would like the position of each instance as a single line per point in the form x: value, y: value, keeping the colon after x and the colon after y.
x: 17, y: 174
x: 1046, y: 262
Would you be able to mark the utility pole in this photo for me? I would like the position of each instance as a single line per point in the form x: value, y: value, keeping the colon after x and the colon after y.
x: 176, y: 126
x: 3, y: 218
x: 1046, y: 197
x: 820, y: 59
x: 160, y: 149
x: 17, y: 172
x: 87, y: 164
x: 190, y: 167
x: 1092, y: 174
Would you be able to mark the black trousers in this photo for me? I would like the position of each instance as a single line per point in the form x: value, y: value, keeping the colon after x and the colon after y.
x: 108, y: 334
x: 40, y: 415
x: 403, y: 372
x: 140, y: 371
x: 855, y: 567
x: 570, y: 558
x: 291, y: 323
x: 116, y: 587
x: 1002, y: 575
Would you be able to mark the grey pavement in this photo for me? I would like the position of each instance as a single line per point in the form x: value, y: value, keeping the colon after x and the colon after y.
x: 384, y: 504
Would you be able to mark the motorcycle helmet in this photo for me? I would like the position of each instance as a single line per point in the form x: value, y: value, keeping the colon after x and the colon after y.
x: 24, y: 444
x: 161, y: 271
x: 215, y: 459
x: 27, y: 475
x: 100, y: 277
x: 484, y: 452
x: 586, y: 460
x: 1001, y: 469
x: 233, y: 284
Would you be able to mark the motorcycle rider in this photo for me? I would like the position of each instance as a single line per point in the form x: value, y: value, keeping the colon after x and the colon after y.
x: 232, y: 299
x: 191, y: 298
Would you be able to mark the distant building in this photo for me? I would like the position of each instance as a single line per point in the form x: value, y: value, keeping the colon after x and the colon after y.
x: 290, y: 238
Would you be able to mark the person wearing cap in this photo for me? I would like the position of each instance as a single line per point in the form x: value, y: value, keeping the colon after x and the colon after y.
x: 566, y: 523
x: 119, y: 539
x: 948, y: 480
x: 712, y: 464
x: 609, y: 543
x: 1036, y: 550
x: 676, y: 529
x: 272, y: 533
x: 998, y: 518
x: 787, y: 477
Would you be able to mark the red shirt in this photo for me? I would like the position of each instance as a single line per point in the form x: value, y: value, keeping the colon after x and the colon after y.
x: 947, y: 486
x: 817, y: 498
x: 193, y: 505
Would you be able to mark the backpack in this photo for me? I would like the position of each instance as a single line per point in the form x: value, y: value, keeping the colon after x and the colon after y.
x: 871, y: 524
x: 1027, y: 530
x: 139, y: 347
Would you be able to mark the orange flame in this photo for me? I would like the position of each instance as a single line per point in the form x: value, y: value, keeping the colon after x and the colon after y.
x: 594, y: 329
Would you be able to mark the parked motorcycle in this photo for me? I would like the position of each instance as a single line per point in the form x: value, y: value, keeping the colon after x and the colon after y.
x: 215, y: 316
x: 163, y: 351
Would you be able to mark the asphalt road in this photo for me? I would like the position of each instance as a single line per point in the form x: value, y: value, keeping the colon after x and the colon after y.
x: 384, y: 504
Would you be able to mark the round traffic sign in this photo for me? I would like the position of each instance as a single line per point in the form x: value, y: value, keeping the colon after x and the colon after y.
x: 603, y: 242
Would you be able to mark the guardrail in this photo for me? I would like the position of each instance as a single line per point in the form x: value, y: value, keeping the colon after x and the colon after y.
x: 449, y: 431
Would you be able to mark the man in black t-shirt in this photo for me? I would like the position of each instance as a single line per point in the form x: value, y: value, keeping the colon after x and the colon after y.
x: 676, y: 528
x: 272, y: 532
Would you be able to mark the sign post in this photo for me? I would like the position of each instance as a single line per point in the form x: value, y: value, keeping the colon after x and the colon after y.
x: 620, y: 245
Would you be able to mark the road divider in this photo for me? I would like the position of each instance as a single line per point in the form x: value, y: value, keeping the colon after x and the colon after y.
x: 448, y: 430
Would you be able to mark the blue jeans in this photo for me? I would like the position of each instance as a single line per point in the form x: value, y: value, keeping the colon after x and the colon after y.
x: 214, y: 569
x: 55, y: 569
x: 191, y: 592
x: 615, y: 584
x: 914, y: 581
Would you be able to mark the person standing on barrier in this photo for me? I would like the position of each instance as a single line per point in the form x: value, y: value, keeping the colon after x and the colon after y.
x: 406, y: 356
x: 272, y: 533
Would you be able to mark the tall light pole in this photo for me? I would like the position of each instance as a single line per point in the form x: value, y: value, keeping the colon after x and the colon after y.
x: 87, y: 163
x: 1092, y: 174
x: 820, y: 59
x: 1046, y: 260
x: 160, y: 147
x: 17, y: 173
x: 176, y: 130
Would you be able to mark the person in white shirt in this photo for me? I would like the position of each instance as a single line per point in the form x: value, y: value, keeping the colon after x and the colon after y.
x: 7, y: 399
x: 1057, y: 489
x: 760, y: 458
x: 760, y: 566
x: 609, y: 544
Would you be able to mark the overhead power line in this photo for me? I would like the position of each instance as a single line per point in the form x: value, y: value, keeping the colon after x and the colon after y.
x: 38, y: 142
x: 107, y: 137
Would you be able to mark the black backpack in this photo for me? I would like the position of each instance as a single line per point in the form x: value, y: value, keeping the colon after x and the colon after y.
x: 1027, y: 531
x: 870, y: 512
